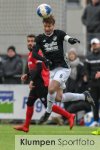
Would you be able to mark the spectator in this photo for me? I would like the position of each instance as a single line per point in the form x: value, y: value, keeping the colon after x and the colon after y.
x: 12, y: 66
x: 76, y: 81
x: 1, y: 70
x: 93, y: 74
x: 91, y: 19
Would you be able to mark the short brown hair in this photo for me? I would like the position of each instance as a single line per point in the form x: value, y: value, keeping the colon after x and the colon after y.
x: 31, y: 36
x: 50, y: 20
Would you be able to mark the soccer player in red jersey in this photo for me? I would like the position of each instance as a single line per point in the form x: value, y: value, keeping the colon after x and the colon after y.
x: 39, y: 75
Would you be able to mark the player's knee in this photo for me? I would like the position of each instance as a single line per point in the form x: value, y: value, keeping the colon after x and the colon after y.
x: 51, y: 90
x: 58, y: 98
x: 29, y: 104
x: 53, y: 87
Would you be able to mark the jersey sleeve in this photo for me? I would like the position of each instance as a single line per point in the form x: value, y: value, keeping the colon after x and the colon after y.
x: 36, y: 50
x: 41, y: 55
x: 62, y: 34
x: 38, y: 42
x: 37, y: 56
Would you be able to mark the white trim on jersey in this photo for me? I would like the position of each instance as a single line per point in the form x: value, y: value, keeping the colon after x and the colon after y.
x: 67, y: 37
x: 38, y: 61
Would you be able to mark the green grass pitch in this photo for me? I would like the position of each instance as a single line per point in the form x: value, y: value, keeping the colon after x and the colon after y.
x: 7, y: 133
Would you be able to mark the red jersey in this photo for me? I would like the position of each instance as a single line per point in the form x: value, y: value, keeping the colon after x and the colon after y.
x: 32, y: 62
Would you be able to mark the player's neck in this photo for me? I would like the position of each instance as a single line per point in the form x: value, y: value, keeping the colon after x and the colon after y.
x: 49, y: 34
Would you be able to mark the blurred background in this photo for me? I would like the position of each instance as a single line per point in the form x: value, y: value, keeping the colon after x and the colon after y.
x: 18, y: 18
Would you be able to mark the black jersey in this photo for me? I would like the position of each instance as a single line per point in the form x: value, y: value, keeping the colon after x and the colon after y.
x: 52, y: 48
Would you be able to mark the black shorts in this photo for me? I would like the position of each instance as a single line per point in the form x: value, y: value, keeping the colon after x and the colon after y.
x: 39, y: 91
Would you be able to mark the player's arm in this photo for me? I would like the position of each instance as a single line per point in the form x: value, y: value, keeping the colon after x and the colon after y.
x: 33, y: 73
x: 26, y: 74
x: 66, y: 37
x: 36, y: 48
x: 39, y: 57
x: 36, y: 71
x: 70, y: 39
x: 26, y: 69
x: 36, y: 55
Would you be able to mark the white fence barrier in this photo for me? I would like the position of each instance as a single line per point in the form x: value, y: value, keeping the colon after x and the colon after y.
x: 13, y: 100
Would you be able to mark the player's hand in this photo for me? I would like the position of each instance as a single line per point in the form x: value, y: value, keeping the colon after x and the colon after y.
x: 85, y: 78
x: 97, y: 76
x: 73, y: 40
x: 31, y: 85
x: 24, y: 77
x: 48, y: 63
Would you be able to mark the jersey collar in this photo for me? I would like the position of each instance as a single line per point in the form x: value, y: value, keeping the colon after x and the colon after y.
x: 50, y: 34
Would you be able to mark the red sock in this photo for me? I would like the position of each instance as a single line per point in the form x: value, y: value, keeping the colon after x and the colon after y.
x: 61, y: 111
x: 29, y: 114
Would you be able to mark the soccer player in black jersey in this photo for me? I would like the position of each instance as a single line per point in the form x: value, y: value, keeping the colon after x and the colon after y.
x: 51, y: 44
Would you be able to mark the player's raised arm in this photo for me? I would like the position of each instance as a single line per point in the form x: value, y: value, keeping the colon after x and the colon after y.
x: 71, y: 40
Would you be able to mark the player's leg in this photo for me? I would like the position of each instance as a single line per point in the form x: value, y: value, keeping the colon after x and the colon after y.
x: 66, y: 114
x: 42, y: 94
x: 56, y: 77
x: 85, y: 96
x: 53, y: 87
x: 63, y: 112
x: 29, y: 112
x: 59, y: 79
x: 56, y: 109
x: 61, y: 76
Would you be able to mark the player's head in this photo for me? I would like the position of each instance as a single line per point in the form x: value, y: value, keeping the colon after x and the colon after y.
x: 30, y: 41
x: 49, y: 24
